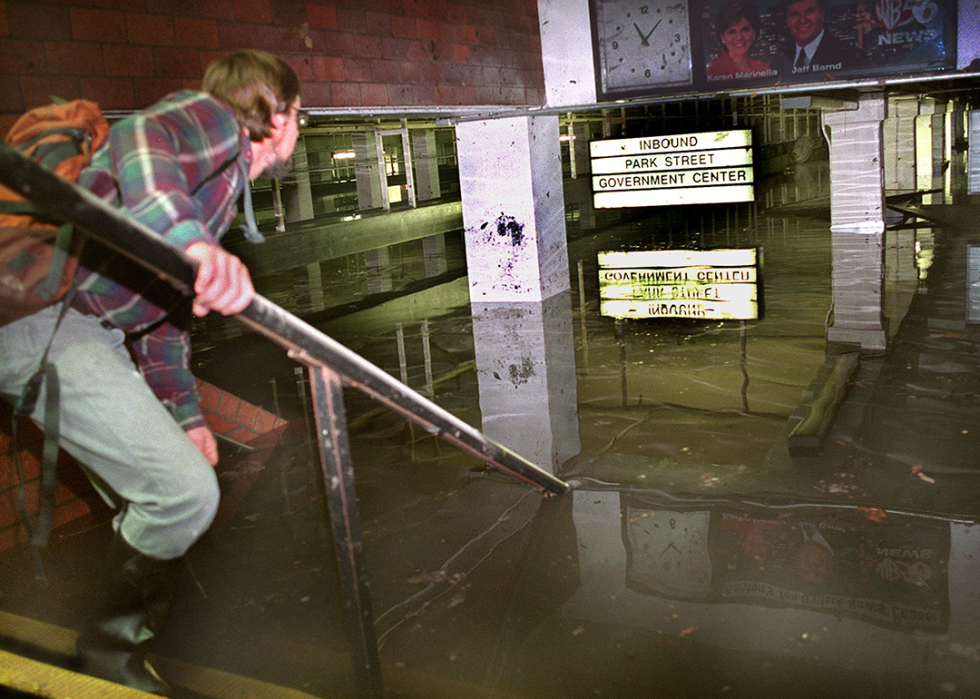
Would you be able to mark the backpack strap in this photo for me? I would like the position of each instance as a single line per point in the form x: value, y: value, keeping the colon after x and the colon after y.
x: 46, y: 375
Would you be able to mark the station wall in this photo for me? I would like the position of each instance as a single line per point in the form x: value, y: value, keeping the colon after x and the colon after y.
x: 125, y: 54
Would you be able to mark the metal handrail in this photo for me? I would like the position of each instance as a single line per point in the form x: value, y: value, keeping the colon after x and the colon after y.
x: 303, y: 342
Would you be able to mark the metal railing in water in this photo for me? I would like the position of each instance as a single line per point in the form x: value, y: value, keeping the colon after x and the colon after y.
x: 331, y: 366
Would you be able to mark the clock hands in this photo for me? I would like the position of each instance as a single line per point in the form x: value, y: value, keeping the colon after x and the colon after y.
x: 645, y: 38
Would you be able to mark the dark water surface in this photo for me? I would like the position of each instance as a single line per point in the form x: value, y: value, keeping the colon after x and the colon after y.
x: 696, y: 555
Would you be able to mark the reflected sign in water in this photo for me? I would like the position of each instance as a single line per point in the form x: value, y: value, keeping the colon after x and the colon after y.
x: 701, y: 284
x: 697, y: 168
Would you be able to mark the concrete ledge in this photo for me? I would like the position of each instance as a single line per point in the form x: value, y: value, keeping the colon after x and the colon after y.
x: 314, y: 241
x: 820, y: 402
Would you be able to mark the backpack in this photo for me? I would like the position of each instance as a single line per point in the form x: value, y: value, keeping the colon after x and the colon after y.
x: 38, y: 256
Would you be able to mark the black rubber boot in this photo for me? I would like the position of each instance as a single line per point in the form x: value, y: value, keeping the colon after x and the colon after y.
x: 134, y: 599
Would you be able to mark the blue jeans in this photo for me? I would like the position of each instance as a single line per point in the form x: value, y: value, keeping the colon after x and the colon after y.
x: 133, y: 451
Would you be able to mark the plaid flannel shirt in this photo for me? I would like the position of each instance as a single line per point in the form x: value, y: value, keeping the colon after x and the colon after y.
x: 177, y: 167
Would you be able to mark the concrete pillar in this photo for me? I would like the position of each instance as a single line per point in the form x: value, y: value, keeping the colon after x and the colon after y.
x: 566, y: 52
x: 297, y: 195
x: 314, y: 276
x: 525, y: 363
x: 513, y: 208
x: 973, y: 154
x: 580, y: 134
x: 424, y: 157
x: 899, y: 140
x: 924, y: 144
x: 857, y: 224
x: 434, y: 255
x: 429, y: 186
x: 366, y: 171
x: 378, y: 266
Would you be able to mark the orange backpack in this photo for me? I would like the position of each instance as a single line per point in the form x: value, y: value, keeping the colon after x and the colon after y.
x: 39, y: 256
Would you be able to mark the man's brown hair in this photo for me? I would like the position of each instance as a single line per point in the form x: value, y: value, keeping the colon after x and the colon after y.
x: 256, y: 85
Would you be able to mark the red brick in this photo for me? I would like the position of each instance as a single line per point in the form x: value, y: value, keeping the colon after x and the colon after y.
x: 357, y: 70
x: 110, y: 93
x: 422, y: 8
x: 247, y: 413
x: 468, y: 34
x: 70, y: 511
x: 63, y: 495
x: 264, y: 422
x: 74, y: 58
x: 8, y: 120
x: 220, y: 425
x: 427, y: 29
x: 123, y: 59
x: 353, y: 20
x: 242, y: 435
x: 174, y: 8
x: 31, y: 20
x: 19, y: 56
x: 152, y: 89
x: 216, y: 9
x: 118, y: 4
x: 228, y: 406
x: 484, y: 16
x: 374, y: 95
x: 253, y: 11
x: 289, y: 13
x: 368, y: 46
x: 12, y: 538
x: 385, y: 71
x: 405, y: 49
x: 377, y: 23
x: 236, y: 36
x: 30, y: 466
x: 404, y: 27
x: 9, y: 507
x: 90, y: 24
x: 153, y: 30
x: 346, y: 94
x: 401, y: 95
x: 38, y: 90
x: 317, y: 94
x: 486, y: 36
x: 178, y: 62
x: 210, y: 396
x: 409, y: 72
x: 196, y: 32
x: 287, y: 40
x: 460, y: 53
x: 10, y: 101
x: 321, y: 16
x: 338, y: 44
x: 455, y: 14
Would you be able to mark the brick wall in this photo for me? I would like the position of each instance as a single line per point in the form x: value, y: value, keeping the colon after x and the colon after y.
x: 73, y: 496
x: 125, y: 54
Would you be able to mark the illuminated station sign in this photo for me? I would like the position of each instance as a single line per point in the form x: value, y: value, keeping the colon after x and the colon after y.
x: 700, y: 284
x: 699, y: 168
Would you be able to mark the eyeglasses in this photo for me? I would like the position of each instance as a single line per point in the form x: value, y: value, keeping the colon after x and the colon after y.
x: 302, y: 117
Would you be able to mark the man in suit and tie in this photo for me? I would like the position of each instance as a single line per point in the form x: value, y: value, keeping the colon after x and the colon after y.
x: 813, y: 50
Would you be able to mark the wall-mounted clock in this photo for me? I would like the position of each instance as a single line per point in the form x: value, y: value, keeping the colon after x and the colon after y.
x: 642, y: 44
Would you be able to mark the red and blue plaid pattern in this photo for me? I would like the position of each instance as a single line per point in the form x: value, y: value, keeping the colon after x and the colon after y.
x: 178, y: 168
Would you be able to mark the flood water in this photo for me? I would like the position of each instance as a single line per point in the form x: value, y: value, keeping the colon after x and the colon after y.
x: 697, y: 554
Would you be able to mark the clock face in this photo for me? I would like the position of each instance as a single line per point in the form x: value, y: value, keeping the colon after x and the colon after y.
x: 643, y: 43
x: 669, y: 552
